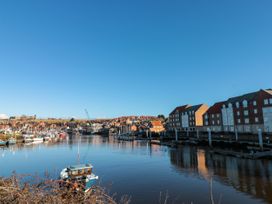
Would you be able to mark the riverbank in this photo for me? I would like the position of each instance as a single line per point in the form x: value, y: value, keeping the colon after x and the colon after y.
x: 247, y: 151
x: 15, y: 190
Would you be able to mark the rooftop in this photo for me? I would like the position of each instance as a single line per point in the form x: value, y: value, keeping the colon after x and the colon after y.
x: 80, y: 166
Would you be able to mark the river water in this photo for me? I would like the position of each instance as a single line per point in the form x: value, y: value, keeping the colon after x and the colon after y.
x: 149, y: 173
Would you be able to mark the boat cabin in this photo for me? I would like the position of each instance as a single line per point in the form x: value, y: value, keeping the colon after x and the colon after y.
x: 82, y: 170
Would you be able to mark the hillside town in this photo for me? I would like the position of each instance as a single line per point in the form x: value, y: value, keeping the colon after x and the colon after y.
x: 244, y: 118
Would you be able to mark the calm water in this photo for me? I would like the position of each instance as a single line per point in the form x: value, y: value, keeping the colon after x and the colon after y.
x: 143, y: 171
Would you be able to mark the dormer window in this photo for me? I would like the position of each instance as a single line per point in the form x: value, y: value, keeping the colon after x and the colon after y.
x: 245, y: 103
x: 224, y: 106
x: 237, y: 105
x: 230, y: 105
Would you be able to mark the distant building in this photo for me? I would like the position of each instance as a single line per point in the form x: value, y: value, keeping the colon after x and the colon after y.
x: 156, y: 126
x: 3, y: 117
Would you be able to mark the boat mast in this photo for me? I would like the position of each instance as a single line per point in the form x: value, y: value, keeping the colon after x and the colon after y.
x: 78, y: 153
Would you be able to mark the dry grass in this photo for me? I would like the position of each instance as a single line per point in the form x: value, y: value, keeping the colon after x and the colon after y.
x: 32, y: 190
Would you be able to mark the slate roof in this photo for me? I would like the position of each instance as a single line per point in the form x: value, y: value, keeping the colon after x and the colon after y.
x: 269, y: 91
x: 180, y: 108
x: 248, y: 97
x: 194, y: 108
x: 216, y: 108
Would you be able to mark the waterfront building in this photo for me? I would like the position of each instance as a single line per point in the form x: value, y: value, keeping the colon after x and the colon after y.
x: 192, y: 117
x: 174, y: 121
x: 213, y: 118
x: 248, y: 113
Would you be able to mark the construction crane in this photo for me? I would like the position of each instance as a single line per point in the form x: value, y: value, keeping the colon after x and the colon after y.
x: 87, y: 114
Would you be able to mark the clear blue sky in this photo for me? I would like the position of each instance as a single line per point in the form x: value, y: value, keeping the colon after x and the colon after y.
x: 130, y: 57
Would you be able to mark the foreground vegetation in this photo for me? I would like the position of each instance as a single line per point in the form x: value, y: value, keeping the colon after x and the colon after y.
x: 30, y: 189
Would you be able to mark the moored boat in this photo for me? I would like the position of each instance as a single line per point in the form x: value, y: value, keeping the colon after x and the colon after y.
x: 79, y: 174
x: 37, y: 140
x: 11, y: 141
x: 3, y: 143
x: 28, y: 138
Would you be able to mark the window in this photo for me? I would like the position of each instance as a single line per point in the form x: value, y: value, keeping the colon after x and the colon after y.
x: 256, y: 119
x: 245, y: 103
x: 218, y: 115
x: 255, y: 111
x: 207, y: 123
x: 265, y: 101
x: 237, y: 105
x: 212, y: 115
x: 246, y: 120
x: 206, y: 116
x: 213, y: 122
x: 270, y: 100
x: 238, y: 113
x: 246, y: 112
x: 218, y: 122
x: 239, y: 121
x: 254, y: 103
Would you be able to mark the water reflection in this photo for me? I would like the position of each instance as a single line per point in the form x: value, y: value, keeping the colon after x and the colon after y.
x: 248, y: 176
x: 121, y: 162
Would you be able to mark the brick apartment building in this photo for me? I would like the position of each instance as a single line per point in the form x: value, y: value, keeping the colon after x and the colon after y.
x: 248, y: 113
x: 174, y: 121
x: 213, y: 118
x: 245, y: 114
x: 192, y: 117
x: 187, y: 117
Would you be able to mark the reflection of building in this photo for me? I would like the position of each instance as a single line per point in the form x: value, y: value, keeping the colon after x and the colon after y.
x: 249, y: 176
x: 201, y: 164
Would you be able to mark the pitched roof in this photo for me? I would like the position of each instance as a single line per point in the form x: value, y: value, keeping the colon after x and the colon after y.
x: 194, y: 108
x: 248, y: 97
x: 156, y: 123
x: 180, y: 108
x: 216, y: 108
x: 269, y: 91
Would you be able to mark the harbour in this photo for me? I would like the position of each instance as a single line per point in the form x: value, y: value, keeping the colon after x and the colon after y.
x: 176, y: 173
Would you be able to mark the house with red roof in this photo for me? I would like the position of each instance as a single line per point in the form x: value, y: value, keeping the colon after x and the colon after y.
x: 213, y: 118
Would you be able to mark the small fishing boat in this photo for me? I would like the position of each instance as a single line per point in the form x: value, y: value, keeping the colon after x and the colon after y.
x: 37, y: 140
x: 81, y: 174
x: 11, y: 141
x: 3, y: 143
x: 28, y: 138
